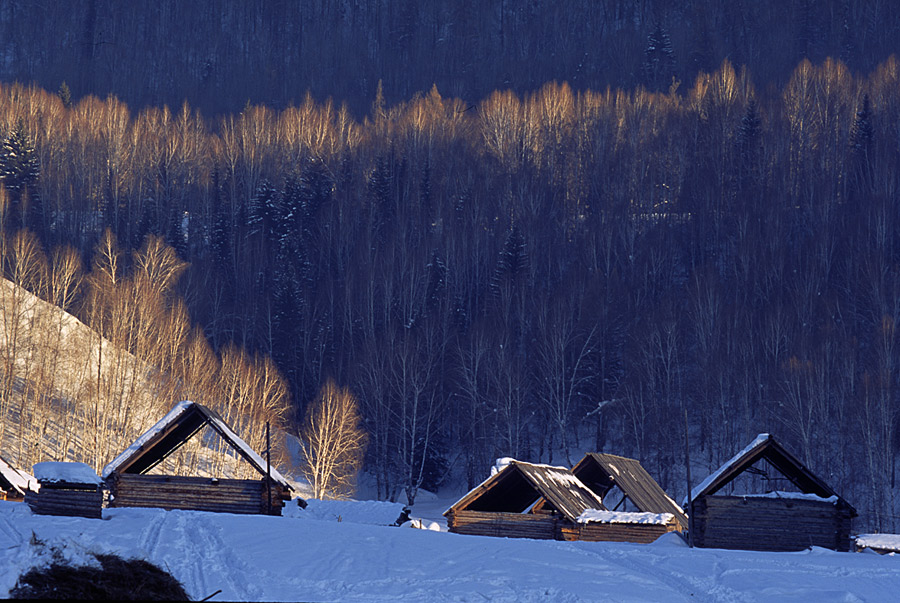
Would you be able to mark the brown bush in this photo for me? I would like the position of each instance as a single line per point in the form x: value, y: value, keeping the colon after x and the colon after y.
x: 115, y: 579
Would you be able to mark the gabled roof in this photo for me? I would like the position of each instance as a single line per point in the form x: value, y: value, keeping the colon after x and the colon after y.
x: 519, y: 485
x: 764, y: 447
x: 601, y: 472
x: 174, y: 430
x: 11, y: 479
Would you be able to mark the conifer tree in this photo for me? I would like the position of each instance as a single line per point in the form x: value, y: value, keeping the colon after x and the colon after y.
x: 65, y: 95
x: 19, y: 171
x: 861, y: 135
x: 263, y: 211
x: 659, y: 60
x: 220, y: 235
x: 748, y: 138
x: 175, y: 233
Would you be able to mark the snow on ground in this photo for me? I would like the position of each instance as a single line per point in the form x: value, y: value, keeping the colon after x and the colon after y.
x: 314, y: 557
x: 373, y: 512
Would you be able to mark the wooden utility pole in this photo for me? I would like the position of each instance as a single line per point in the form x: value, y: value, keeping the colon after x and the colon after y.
x: 690, y: 499
x: 268, y: 471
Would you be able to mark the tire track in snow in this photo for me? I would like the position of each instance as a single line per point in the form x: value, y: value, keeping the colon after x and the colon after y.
x: 649, y: 565
x: 17, y: 537
x: 151, y: 536
x: 208, y: 562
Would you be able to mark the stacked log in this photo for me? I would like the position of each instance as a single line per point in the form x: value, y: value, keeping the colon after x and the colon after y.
x: 769, y: 524
x: 641, y: 533
x: 195, y: 494
x: 71, y: 500
x: 505, y: 525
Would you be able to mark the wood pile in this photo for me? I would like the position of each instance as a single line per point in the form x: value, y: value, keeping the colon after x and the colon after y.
x: 769, y: 524
x: 508, y: 525
x: 195, y: 494
x: 72, y: 500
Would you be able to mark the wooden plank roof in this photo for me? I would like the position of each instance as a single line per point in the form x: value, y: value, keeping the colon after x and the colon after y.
x: 516, y: 488
x: 601, y: 472
x: 12, y: 479
x: 173, y: 431
x: 764, y: 447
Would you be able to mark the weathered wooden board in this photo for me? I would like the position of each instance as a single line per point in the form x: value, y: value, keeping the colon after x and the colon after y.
x: 504, y: 525
x: 546, y: 527
x: 195, y: 494
x: 618, y: 532
x: 769, y: 524
x: 71, y: 503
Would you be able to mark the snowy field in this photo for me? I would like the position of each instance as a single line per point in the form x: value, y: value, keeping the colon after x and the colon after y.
x: 345, y: 552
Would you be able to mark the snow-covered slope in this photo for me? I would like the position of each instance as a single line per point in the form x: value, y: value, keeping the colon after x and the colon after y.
x: 315, y: 557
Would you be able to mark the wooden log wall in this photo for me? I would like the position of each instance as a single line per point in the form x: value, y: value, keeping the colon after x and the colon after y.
x: 618, y: 532
x: 504, y: 525
x: 71, y: 502
x: 769, y: 524
x: 195, y: 494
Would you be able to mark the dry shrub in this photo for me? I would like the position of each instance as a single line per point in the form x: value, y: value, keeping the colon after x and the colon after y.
x: 115, y: 579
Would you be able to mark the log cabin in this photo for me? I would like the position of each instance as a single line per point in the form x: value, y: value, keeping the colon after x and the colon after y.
x: 526, y: 500
x: 624, y: 485
x: 883, y: 544
x: 792, y: 511
x: 131, y: 485
x: 70, y: 489
x: 504, y: 505
x: 14, y: 483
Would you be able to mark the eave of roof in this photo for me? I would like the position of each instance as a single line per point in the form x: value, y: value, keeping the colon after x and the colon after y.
x: 557, y: 484
x: 18, y: 480
x: 765, y: 447
x: 635, y: 482
x: 175, y: 429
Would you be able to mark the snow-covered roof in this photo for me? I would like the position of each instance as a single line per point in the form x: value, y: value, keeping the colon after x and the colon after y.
x: 885, y: 542
x: 558, y: 485
x: 695, y: 492
x: 151, y: 440
x: 602, y: 471
x: 597, y: 516
x: 19, y: 480
x: 764, y: 447
x: 138, y: 445
x: 69, y: 473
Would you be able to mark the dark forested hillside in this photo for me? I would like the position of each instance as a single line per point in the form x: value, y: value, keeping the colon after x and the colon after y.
x: 515, y: 272
x: 220, y: 54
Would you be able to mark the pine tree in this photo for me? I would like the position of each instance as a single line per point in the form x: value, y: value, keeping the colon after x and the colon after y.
x: 263, y: 212
x: 861, y: 135
x: 175, y: 232
x: 748, y: 137
x: 65, y: 95
x: 513, y: 259
x: 290, y: 215
x: 379, y: 188
x: 220, y: 236
x: 20, y: 170
x: 316, y: 187
x: 659, y: 60
x: 862, y: 132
